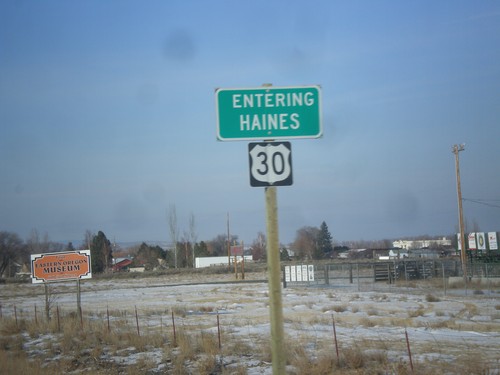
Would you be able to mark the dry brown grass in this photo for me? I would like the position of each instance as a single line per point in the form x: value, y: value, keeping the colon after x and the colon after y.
x: 322, y: 365
x: 197, y: 350
x: 472, y: 364
x: 352, y: 358
x: 208, y: 364
x: 371, y: 311
x: 367, y: 322
x: 416, y: 312
x: 432, y: 298
x: 65, y: 346
x: 336, y: 308
x: 18, y: 363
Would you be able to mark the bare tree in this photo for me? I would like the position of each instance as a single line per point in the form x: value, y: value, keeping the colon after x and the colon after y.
x: 174, y: 230
x: 33, y: 242
x: 259, y: 247
x: 305, y: 243
x: 475, y: 226
x: 87, y: 240
x: 37, y: 244
x: 218, y: 245
x: 192, y: 235
x: 11, y: 251
x: 184, y: 256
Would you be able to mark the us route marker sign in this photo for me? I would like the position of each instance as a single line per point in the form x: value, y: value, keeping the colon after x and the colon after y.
x: 270, y: 164
x: 265, y: 113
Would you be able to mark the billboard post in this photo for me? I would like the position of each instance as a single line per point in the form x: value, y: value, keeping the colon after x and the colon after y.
x: 63, y: 266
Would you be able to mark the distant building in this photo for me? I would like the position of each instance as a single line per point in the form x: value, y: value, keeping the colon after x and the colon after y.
x: 137, y: 269
x: 395, y: 254
x: 421, y: 244
x: 201, y: 262
x: 425, y: 253
x: 122, y: 264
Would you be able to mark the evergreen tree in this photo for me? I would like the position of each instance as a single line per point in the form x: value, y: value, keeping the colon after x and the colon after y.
x: 324, y: 241
x: 284, y: 254
x: 101, y: 253
x: 149, y: 256
x: 201, y: 249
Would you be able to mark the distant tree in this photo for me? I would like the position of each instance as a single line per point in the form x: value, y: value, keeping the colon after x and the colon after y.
x: 87, y: 240
x: 386, y: 244
x: 170, y: 257
x: 325, y: 246
x: 475, y: 226
x: 284, y: 254
x: 37, y: 244
x: 185, y: 252
x: 305, y: 244
x: 174, y: 230
x: 340, y: 249
x: 219, y: 245
x: 149, y: 256
x: 69, y: 247
x: 258, y: 247
x: 201, y: 249
x: 193, y: 236
x: 470, y: 226
x: 370, y: 244
x: 101, y: 253
x: 12, y: 249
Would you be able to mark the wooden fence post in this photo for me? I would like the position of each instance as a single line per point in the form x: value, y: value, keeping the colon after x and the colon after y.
x: 137, y: 321
x: 409, y: 351
x: 58, y: 319
x: 335, y: 339
x: 218, y: 331
x: 173, y: 327
x: 107, y: 313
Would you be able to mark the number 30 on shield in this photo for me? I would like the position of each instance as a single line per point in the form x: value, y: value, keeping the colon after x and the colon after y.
x: 270, y: 164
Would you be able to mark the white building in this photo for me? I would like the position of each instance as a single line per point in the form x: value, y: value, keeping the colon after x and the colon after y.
x: 219, y: 261
x: 420, y: 244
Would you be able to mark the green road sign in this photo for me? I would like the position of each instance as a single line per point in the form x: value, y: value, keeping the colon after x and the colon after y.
x: 266, y: 113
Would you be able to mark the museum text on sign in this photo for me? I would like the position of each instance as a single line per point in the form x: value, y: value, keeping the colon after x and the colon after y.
x: 61, y: 266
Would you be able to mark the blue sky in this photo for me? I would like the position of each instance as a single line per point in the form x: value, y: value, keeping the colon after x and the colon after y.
x: 107, y: 115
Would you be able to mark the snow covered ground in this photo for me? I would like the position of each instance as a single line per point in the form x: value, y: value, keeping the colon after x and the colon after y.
x: 454, y: 327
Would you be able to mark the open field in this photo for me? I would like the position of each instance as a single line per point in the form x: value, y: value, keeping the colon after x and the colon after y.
x: 214, y: 324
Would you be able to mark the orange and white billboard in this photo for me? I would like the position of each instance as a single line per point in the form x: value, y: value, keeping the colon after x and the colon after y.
x: 60, y: 266
x: 236, y: 250
x: 472, y: 241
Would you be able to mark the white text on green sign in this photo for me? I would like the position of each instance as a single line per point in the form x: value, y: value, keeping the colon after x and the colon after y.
x: 268, y: 113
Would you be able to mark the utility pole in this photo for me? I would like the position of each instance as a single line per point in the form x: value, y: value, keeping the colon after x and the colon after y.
x: 275, y: 300
x: 228, y: 245
x: 456, y: 149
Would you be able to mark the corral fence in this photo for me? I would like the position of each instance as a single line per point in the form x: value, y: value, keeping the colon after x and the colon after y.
x: 369, y: 275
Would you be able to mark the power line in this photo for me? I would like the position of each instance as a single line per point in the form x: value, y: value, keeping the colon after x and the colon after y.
x: 484, y: 202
